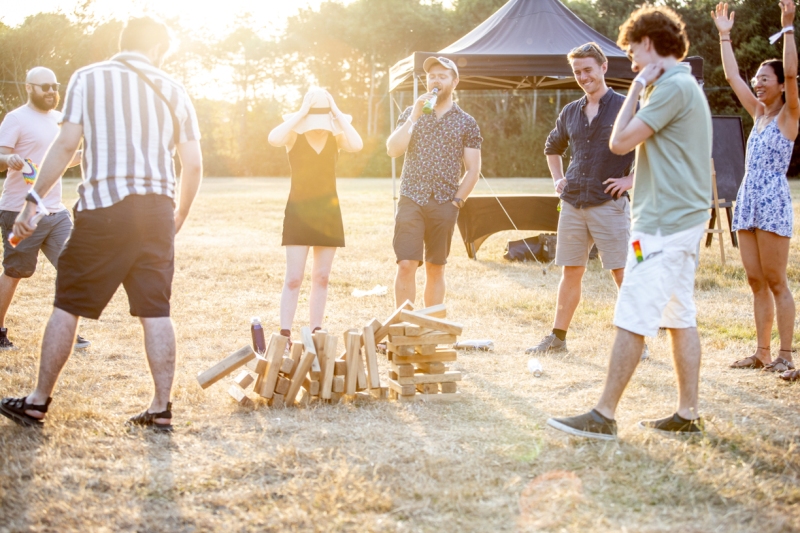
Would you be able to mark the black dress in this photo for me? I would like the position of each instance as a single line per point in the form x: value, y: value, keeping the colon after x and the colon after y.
x: 313, y: 216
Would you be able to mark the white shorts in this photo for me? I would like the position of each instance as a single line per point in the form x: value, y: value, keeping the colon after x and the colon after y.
x: 658, y: 286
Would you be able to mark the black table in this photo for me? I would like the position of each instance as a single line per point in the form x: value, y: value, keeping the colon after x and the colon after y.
x: 483, y: 216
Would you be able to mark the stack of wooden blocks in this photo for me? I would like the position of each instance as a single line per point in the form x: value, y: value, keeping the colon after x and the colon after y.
x: 417, y: 364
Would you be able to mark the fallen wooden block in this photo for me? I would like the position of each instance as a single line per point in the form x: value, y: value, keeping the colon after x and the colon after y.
x: 275, y: 351
x: 319, y: 345
x: 398, y: 329
x: 380, y: 393
x: 282, y: 386
x: 448, y: 388
x: 336, y: 397
x: 287, y: 365
x: 399, y: 388
x: 393, y: 319
x: 308, y: 346
x: 244, y: 379
x: 405, y: 371
x: 437, y: 311
x: 374, y: 380
x: 241, y: 398
x: 299, y: 376
x: 431, y: 338
x: 297, y: 354
x: 340, y: 368
x: 430, y: 322
x: 330, y: 365
x: 277, y: 400
x: 451, y: 397
x: 353, y: 354
x: 312, y: 386
x: 431, y: 368
x: 442, y: 355
x: 430, y: 378
x: 428, y: 388
x: 260, y: 368
x: 337, y: 385
x: 375, y: 324
x: 412, y: 330
x: 226, y: 367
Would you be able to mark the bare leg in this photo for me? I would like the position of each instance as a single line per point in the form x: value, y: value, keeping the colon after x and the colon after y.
x: 774, y: 255
x: 618, y: 274
x: 569, y: 295
x: 763, y: 302
x: 7, y: 288
x: 625, y: 355
x: 435, y: 286
x: 295, y: 269
x: 59, y: 336
x: 323, y: 261
x: 159, y: 344
x: 405, y: 283
x: 686, y: 357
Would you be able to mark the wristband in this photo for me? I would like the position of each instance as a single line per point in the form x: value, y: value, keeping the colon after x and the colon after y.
x: 34, y: 198
x: 775, y: 36
x: 640, y: 79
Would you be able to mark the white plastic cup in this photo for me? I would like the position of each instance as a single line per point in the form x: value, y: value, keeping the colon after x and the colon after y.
x: 535, y: 367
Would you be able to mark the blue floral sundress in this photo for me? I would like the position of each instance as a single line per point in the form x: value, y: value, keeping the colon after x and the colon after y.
x: 764, y: 200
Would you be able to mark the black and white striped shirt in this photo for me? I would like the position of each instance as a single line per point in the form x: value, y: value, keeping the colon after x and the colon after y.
x: 128, y: 133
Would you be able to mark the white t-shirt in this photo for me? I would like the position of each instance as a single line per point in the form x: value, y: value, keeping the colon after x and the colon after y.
x: 29, y: 133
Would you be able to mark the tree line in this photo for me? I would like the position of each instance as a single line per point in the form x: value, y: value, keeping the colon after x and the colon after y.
x: 349, y: 49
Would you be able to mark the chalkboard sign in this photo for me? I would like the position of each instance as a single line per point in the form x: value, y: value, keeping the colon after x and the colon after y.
x: 728, y: 154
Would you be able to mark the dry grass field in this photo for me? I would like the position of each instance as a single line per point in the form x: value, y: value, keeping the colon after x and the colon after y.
x: 485, y: 464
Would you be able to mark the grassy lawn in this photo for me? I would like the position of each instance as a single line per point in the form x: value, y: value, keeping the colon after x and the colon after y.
x: 485, y: 464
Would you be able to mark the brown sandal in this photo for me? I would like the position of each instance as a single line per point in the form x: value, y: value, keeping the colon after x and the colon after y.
x: 14, y: 408
x: 779, y: 365
x: 791, y: 375
x: 748, y: 362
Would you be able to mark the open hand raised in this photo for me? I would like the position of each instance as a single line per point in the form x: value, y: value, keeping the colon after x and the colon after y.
x: 723, y: 21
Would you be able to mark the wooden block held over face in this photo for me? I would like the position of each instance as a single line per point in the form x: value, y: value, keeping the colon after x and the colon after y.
x: 430, y: 322
x: 340, y: 368
x: 312, y: 386
x: 299, y: 376
x: 238, y: 394
x: 275, y: 351
x: 431, y: 338
x: 226, y: 367
x: 287, y: 365
x: 244, y: 379
x: 437, y: 311
x: 282, y: 386
x: 431, y: 378
x: 277, y: 400
x: 405, y: 390
x: 384, y: 329
x: 439, y: 355
x: 405, y: 371
x: 337, y: 385
x: 428, y: 388
x: 431, y: 368
x: 372, y: 358
x: 448, y: 388
x: 330, y: 365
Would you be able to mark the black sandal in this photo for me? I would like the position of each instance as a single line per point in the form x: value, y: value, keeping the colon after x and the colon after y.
x: 779, y: 365
x: 148, y: 419
x: 14, y: 408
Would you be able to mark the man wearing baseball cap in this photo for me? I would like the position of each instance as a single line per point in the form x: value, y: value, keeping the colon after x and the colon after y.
x: 441, y: 167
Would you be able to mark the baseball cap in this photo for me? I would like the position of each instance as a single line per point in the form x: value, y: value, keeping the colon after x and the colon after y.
x: 443, y: 61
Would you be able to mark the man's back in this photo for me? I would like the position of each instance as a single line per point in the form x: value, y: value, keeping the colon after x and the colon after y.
x: 672, y: 191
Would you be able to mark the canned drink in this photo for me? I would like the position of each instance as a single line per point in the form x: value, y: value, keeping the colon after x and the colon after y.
x: 14, y: 240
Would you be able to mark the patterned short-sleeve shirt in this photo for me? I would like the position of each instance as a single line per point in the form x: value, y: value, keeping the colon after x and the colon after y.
x: 434, y: 158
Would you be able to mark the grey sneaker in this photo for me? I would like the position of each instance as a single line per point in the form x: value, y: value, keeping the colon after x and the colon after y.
x: 551, y: 343
x: 674, y: 424
x: 592, y: 425
x: 645, y: 352
x: 5, y: 343
x: 81, y: 343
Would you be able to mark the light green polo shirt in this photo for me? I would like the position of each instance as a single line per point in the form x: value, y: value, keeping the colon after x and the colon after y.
x: 672, y: 188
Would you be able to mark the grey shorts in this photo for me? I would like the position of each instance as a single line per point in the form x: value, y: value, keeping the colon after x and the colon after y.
x: 424, y: 232
x: 50, y: 235
x: 607, y: 225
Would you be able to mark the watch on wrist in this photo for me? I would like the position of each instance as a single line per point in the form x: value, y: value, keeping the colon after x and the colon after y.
x: 459, y: 202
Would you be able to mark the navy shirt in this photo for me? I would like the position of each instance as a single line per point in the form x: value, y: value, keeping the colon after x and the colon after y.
x: 592, y: 162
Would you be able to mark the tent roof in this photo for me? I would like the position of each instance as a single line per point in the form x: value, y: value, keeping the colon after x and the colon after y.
x: 524, y: 45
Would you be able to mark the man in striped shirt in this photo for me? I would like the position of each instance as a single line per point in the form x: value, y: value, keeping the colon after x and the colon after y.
x: 132, y: 119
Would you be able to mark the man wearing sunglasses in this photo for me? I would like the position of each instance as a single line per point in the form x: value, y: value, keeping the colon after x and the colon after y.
x: 25, y: 135
x: 595, y: 208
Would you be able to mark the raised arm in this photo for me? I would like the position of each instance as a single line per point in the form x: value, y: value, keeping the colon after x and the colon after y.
x: 724, y: 25
x: 283, y: 134
x: 349, y: 140
x: 790, y: 113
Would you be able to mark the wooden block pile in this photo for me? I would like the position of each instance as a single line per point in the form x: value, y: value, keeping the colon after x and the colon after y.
x: 418, y: 368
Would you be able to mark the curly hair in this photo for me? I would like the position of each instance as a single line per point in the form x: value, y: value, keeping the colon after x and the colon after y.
x: 662, y: 25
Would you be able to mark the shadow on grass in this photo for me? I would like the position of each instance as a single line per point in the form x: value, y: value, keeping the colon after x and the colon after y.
x: 19, y: 448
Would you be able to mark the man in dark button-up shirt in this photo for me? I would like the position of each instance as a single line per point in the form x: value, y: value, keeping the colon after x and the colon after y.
x: 434, y: 186
x: 595, y: 206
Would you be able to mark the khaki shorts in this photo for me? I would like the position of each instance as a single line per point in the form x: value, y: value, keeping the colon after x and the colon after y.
x: 607, y: 225
x: 658, y: 290
x: 424, y: 231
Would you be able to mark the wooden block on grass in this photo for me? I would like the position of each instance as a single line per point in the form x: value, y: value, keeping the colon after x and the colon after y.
x: 431, y: 338
x: 337, y: 385
x: 405, y: 390
x: 299, y: 376
x: 277, y: 400
x: 308, y: 346
x: 238, y: 394
x: 430, y: 378
x: 428, y: 388
x: 319, y: 344
x: 371, y: 353
x: 437, y: 311
x: 312, y: 386
x: 448, y: 388
x: 405, y: 371
x: 282, y: 386
x: 275, y: 351
x: 440, y: 355
x: 297, y: 354
x: 244, y: 379
x: 431, y: 368
x: 260, y: 365
x: 380, y: 393
x: 326, y: 385
x: 381, y: 332
x: 430, y: 322
x: 353, y: 354
x: 287, y: 365
x: 336, y: 397
x: 226, y: 367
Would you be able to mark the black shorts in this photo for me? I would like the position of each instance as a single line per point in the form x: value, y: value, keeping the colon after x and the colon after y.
x: 130, y: 243
x: 424, y: 231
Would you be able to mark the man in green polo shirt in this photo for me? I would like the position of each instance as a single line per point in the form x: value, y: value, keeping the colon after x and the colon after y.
x: 672, y: 189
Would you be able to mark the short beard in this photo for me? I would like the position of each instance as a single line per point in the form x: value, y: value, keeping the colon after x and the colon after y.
x: 40, y: 103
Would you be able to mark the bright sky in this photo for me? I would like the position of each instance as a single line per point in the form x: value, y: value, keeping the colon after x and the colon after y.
x: 214, y: 17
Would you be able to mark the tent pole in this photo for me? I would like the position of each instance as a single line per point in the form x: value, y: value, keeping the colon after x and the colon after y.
x: 394, y: 162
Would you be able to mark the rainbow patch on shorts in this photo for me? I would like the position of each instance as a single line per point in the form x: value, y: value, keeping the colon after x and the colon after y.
x: 31, y: 175
x: 637, y: 250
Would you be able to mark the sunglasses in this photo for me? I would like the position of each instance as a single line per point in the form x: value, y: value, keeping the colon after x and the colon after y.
x: 46, y: 87
x: 581, y: 49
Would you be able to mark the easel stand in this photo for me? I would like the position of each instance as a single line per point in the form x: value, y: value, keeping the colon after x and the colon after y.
x: 715, y: 215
